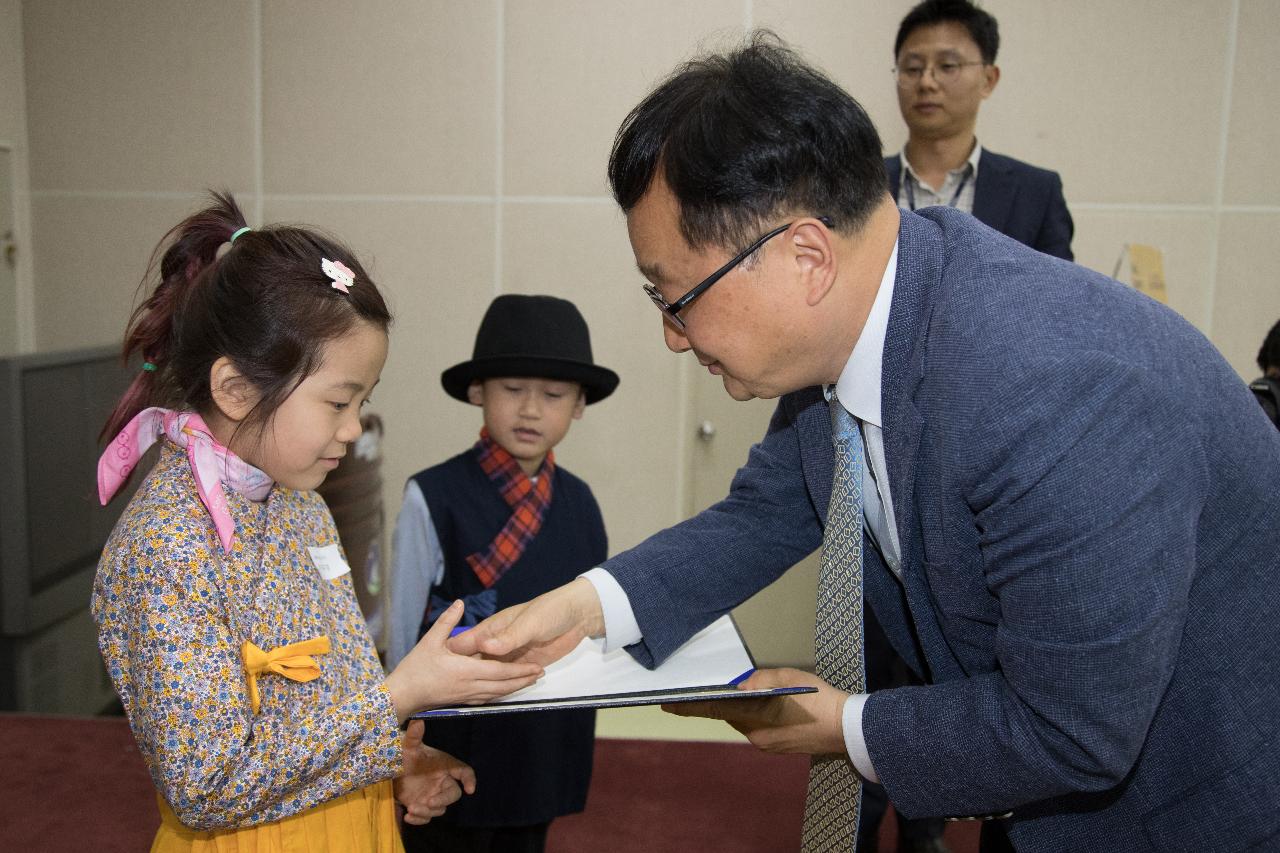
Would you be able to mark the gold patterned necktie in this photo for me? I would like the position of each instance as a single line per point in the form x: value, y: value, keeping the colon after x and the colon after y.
x: 835, y: 790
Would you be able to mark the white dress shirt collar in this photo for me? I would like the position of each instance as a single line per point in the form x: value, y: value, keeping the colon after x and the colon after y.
x: 859, y: 385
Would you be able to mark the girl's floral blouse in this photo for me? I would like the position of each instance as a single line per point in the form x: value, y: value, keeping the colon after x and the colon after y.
x: 173, y: 611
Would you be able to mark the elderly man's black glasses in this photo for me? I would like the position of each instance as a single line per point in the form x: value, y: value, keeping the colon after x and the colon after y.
x: 672, y: 309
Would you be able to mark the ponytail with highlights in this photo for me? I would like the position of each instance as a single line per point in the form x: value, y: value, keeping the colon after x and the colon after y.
x: 263, y: 302
x: 192, y: 249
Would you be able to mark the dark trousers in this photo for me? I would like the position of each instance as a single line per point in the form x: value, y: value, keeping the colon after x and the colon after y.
x: 875, y: 802
x: 994, y: 839
x: 437, y: 837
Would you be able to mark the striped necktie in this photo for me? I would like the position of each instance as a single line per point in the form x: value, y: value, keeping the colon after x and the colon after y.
x: 834, y: 797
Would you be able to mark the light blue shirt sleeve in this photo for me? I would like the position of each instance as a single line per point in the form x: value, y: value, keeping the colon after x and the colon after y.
x: 417, y: 564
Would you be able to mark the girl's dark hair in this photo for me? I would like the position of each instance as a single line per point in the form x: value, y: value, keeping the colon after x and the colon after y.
x: 746, y: 137
x: 263, y: 302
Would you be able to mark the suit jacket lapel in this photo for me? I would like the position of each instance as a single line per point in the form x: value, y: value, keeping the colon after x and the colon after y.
x: 812, y: 421
x: 920, y: 263
x: 994, y: 191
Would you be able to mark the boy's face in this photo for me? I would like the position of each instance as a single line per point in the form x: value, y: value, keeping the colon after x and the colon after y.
x: 528, y: 417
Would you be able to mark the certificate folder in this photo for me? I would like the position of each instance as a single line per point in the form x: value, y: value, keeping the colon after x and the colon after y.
x: 705, y: 668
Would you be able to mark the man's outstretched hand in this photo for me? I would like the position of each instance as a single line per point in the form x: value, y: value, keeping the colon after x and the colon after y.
x: 540, y: 631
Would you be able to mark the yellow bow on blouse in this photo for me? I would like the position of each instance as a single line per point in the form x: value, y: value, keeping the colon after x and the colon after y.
x: 293, y: 661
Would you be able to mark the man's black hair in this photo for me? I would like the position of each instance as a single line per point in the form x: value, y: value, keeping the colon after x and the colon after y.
x: 982, y: 27
x: 1269, y: 355
x: 747, y: 138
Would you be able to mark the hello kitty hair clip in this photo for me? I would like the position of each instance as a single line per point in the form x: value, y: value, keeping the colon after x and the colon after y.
x: 337, y: 270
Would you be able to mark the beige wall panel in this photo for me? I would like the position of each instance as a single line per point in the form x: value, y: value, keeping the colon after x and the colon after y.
x: 625, y: 447
x: 11, y: 90
x: 379, y: 97
x: 1254, y: 133
x: 91, y: 254
x: 16, y: 334
x: 139, y: 94
x: 574, y: 68
x: 1124, y: 99
x: 434, y: 264
x: 853, y: 43
x: 1186, y: 239
x: 1246, y: 302
x: 650, y: 722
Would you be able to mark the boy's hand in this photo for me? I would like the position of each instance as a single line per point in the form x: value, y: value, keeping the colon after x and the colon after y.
x: 431, y: 780
x: 810, y: 723
x: 540, y: 631
x: 431, y: 675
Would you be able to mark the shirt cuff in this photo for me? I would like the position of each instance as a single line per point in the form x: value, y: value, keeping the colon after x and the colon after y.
x: 854, y: 743
x: 620, y: 627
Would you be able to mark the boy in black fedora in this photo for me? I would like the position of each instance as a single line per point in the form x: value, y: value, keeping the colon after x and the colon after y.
x: 498, y: 525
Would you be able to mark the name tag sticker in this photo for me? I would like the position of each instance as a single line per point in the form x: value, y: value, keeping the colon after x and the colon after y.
x: 329, y: 561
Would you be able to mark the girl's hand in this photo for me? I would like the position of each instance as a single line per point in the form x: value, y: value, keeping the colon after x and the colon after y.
x: 431, y: 780
x: 431, y: 675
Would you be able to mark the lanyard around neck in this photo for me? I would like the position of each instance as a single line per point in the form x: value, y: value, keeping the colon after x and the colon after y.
x: 911, y: 193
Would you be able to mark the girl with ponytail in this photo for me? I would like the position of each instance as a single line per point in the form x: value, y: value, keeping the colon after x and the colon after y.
x: 225, y: 610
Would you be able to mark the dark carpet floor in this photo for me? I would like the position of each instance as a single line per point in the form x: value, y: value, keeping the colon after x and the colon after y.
x: 72, y: 784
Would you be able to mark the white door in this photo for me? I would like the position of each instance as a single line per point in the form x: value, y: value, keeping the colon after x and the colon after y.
x: 778, y: 621
x: 8, y: 259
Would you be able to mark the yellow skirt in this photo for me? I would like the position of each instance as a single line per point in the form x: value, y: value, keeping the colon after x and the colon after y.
x: 362, y: 821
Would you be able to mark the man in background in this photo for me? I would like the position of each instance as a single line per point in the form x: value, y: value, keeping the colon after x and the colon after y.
x: 945, y: 66
x: 1267, y: 386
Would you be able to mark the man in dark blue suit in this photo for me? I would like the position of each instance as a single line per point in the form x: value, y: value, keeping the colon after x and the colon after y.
x: 945, y: 66
x: 1072, y: 526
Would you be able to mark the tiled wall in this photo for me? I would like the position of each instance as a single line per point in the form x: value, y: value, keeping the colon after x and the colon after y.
x: 15, y: 282
x: 460, y: 145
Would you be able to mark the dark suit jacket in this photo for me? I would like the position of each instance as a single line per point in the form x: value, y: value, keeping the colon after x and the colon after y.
x: 1015, y: 198
x: 1085, y: 494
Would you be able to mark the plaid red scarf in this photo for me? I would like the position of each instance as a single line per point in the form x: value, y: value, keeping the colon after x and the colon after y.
x: 528, y: 501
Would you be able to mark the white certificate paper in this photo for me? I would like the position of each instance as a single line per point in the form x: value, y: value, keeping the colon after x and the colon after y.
x: 704, y: 668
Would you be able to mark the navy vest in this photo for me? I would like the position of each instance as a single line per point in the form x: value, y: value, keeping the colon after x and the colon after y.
x: 535, y: 766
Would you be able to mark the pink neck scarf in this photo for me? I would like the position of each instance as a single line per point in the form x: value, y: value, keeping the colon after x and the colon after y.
x: 211, y: 463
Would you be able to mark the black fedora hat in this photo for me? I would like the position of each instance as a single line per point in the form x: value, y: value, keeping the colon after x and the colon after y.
x: 539, y: 336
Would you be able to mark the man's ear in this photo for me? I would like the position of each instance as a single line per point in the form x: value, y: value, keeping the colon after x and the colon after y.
x: 992, y: 77
x: 232, y: 392
x: 815, y: 259
x: 580, y: 405
x: 475, y: 393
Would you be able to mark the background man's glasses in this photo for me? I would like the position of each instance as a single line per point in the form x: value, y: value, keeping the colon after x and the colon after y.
x: 944, y: 73
x: 672, y: 309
